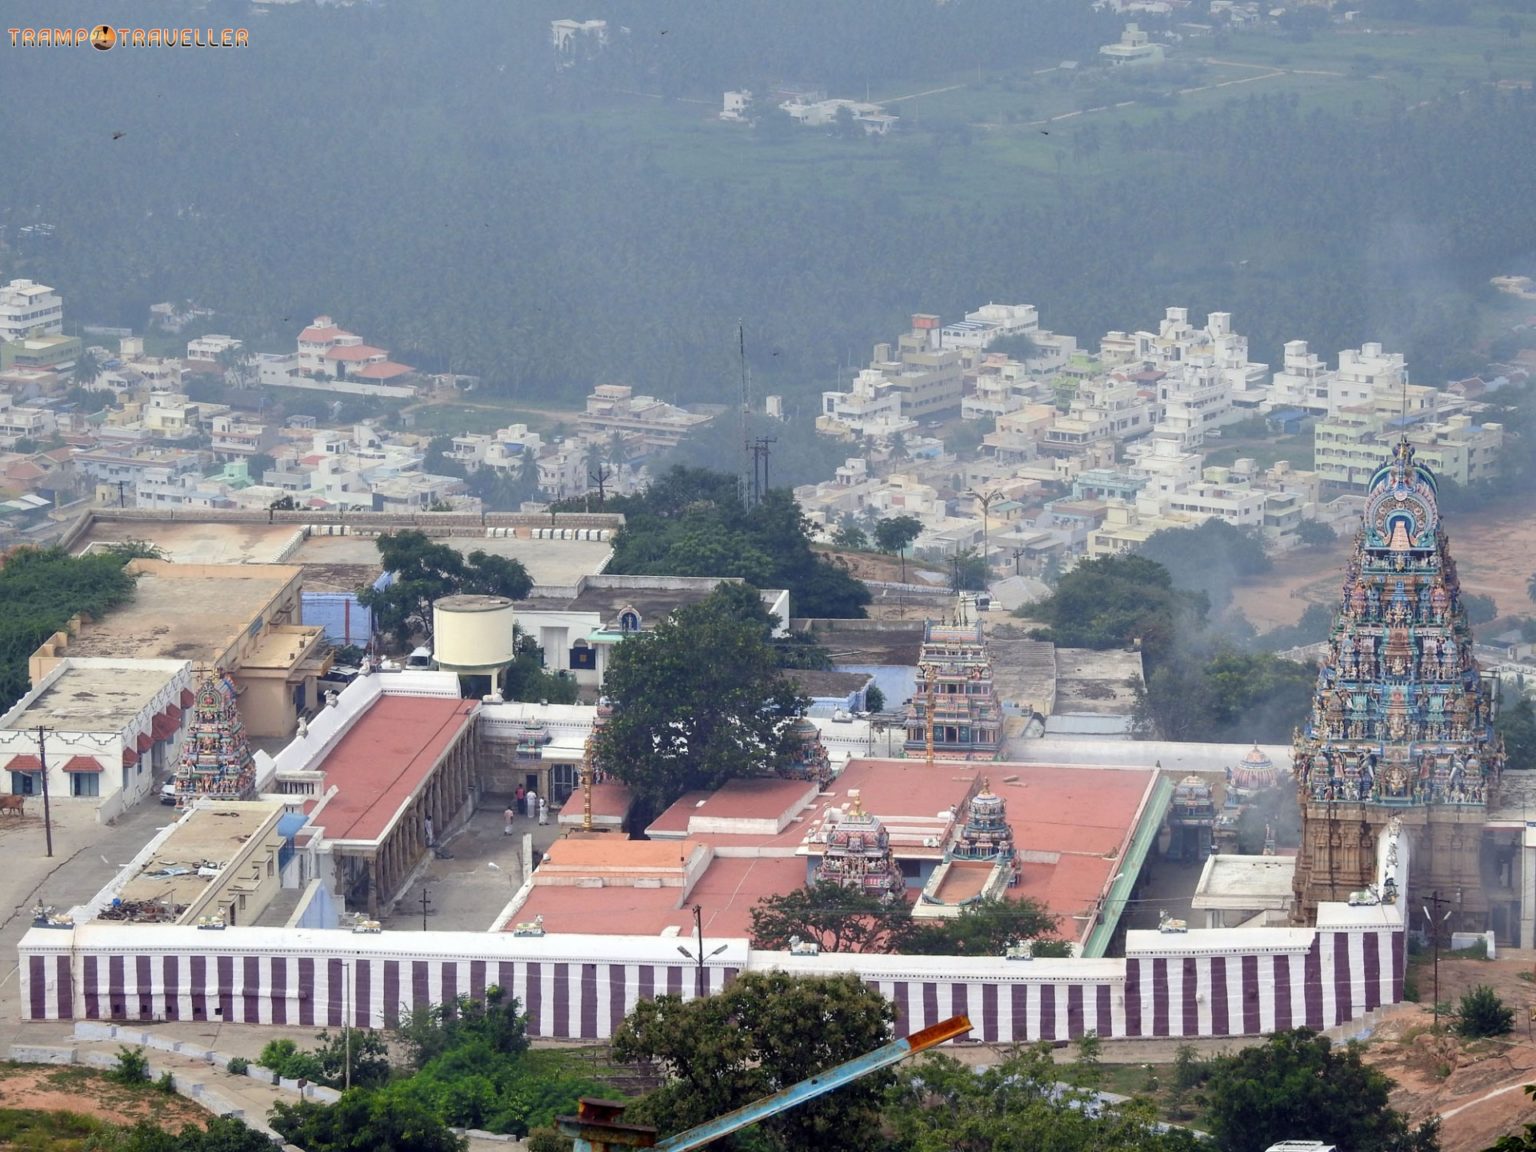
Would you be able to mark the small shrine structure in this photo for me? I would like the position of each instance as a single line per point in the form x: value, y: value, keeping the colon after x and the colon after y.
x: 980, y: 862
x: 215, y: 755
x: 858, y: 853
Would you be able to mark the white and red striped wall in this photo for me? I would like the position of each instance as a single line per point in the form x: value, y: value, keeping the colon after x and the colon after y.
x: 1224, y: 983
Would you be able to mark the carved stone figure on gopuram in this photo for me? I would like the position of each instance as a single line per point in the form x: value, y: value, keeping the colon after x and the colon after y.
x: 1402, y: 722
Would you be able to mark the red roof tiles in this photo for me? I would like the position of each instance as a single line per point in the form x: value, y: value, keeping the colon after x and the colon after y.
x: 384, y: 758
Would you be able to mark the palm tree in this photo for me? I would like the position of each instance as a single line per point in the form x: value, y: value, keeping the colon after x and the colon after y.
x: 87, y: 369
x: 1530, y: 586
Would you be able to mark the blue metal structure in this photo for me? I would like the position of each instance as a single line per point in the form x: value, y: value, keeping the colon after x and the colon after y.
x: 599, y: 1126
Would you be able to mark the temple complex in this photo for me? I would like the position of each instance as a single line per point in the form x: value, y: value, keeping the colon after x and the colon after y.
x: 979, y: 859
x: 215, y: 756
x: 858, y: 853
x: 1402, y: 722
x: 954, y: 713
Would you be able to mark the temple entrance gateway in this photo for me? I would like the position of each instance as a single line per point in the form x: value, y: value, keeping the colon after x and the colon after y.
x: 1402, y: 720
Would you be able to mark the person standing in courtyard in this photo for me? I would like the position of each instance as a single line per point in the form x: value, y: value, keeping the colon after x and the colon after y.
x: 543, y: 811
x: 507, y: 817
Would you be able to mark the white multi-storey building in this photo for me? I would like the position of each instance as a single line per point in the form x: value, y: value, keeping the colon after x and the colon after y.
x: 208, y: 349
x: 1304, y: 380
x: 1364, y: 374
x: 17, y: 423
x: 991, y: 322
x: 871, y: 407
x: 30, y: 309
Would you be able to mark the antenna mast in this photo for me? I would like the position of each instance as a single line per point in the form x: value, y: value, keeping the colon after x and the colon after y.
x: 742, y: 483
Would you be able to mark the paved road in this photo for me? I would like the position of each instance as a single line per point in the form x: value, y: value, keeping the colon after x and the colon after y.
x: 85, y: 856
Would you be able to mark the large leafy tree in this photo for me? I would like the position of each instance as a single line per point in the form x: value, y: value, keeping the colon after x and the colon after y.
x: 1016, y: 1105
x: 766, y: 1031
x: 425, y: 571
x: 698, y: 700
x: 40, y: 590
x: 1297, y: 1086
x: 691, y: 522
x: 1212, y: 557
x: 845, y: 920
x: 833, y: 918
x: 1516, y: 723
x: 1113, y: 601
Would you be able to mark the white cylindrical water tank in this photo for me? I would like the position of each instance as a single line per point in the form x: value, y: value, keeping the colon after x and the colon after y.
x: 473, y: 635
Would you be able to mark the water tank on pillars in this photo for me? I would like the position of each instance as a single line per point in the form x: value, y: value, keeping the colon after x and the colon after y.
x: 473, y: 635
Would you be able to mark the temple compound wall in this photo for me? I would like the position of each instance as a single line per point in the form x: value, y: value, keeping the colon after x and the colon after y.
x: 1224, y: 982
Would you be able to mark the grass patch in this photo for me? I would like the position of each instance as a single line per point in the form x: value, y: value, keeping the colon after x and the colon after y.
x: 33, y: 1130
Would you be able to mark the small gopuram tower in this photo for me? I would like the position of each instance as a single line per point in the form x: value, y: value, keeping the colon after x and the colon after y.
x: 1402, y: 723
x: 858, y: 853
x: 954, y: 713
x: 215, y: 756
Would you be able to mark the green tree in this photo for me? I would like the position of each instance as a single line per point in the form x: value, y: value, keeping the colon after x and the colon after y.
x: 1117, y: 601
x: 893, y: 535
x: 985, y: 928
x: 87, y: 369
x: 426, y: 1033
x: 1480, y: 609
x: 1519, y: 1142
x: 364, y: 1120
x: 1211, y: 558
x: 850, y: 536
x: 41, y: 589
x: 1299, y: 1086
x: 942, y: 1105
x: 1516, y: 723
x: 766, y: 1031
x: 690, y: 522
x: 834, y: 918
x: 1482, y: 1013
x: 1315, y: 534
x: 527, y: 679
x: 425, y: 571
x: 681, y: 722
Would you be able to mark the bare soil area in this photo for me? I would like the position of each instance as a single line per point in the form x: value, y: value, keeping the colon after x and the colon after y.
x: 1475, y: 1086
x: 1495, y: 555
x: 90, y: 1093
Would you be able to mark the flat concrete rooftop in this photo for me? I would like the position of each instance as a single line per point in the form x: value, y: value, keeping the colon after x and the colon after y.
x: 1096, y: 682
x: 192, y: 612
x: 87, y: 699
x: 550, y: 563
x: 210, y: 836
x: 1245, y: 882
x: 189, y: 542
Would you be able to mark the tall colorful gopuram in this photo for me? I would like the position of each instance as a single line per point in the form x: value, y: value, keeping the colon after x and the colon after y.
x: 858, y: 853
x: 215, y: 756
x: 1402, y: 723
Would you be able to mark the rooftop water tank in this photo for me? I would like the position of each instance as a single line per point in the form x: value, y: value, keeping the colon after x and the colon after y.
x: 473, y: 635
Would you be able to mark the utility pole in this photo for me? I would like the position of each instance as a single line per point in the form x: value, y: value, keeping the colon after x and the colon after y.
x: 42, y: 759
x: 121, y: 499
x: 1436, y: 900
x: 600, y: 478
x: 426, y: 906
x: 698, y: 954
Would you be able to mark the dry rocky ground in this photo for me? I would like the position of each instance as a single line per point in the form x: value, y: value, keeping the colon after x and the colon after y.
x: 1475, y: 1086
